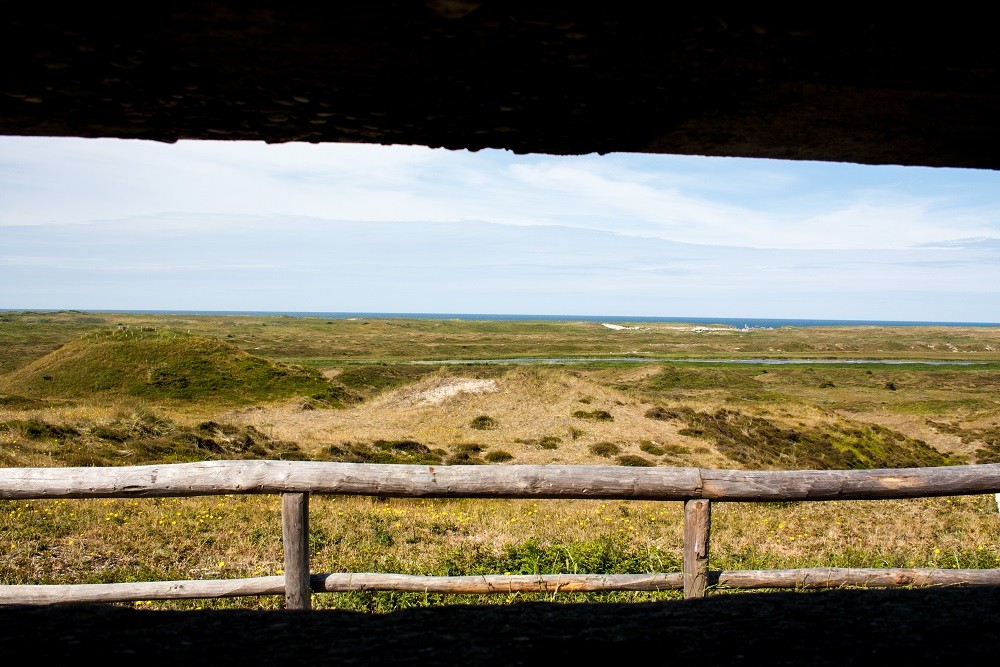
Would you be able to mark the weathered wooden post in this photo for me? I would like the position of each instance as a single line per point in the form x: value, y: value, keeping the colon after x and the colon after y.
x: 697, y: 528
x: 295, y: 534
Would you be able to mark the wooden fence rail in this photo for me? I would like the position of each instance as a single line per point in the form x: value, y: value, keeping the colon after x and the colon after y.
x: 295, y: 480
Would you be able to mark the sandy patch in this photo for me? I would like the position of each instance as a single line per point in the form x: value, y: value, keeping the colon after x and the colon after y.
x: 449, y: 387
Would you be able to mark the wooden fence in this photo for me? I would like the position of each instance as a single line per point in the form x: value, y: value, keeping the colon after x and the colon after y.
x: 295, y: 480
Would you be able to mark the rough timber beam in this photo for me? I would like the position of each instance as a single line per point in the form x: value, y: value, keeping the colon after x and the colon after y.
x: 547, y: 77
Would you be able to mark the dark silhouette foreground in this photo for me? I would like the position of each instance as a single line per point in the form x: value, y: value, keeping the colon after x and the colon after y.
x: 955, y: 625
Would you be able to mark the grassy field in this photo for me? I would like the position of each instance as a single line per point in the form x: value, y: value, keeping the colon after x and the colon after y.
x: 108, y: 389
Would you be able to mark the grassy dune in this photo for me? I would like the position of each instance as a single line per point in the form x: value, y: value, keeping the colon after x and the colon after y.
x: 86, y: 389
x: 159, y: 365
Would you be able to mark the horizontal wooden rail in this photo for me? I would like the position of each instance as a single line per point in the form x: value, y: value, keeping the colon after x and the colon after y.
x: 806, y: 578
x: 510, y: 481
x: 697, y: 487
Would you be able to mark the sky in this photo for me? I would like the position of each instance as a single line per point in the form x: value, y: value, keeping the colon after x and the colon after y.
x: 108, y: 224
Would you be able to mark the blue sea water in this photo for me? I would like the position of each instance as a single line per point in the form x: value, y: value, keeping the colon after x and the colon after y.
x: 738, y: 322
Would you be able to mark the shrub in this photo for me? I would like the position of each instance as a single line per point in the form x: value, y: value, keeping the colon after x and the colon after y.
x: 635, y: 461
x: 36, y: 428
x: 384, y: 451
x: 652, y: 448
x: 827, y: 385
x: 596, y: 415
x: 605, y: 449
x: 411, y: 446
x: 755, y: 441
x: 499, y: 456
x: 483, y: 423
x: 661, y: 413
x: 466, y: 453
x: 545, y: 442
x: 549, y: 441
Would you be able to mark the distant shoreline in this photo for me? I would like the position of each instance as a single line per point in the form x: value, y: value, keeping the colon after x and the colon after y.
x: 736, y: 322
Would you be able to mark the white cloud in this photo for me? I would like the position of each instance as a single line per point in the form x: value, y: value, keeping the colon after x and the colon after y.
x: 430, y: 228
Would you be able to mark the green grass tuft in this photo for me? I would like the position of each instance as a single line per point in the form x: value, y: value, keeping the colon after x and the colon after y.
x: 483, y: 423
x: 595, y: 415
x: 634, y: 461
x: 605, y: 449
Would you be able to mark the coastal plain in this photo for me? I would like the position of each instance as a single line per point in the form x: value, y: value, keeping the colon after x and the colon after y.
x: 107, y: 389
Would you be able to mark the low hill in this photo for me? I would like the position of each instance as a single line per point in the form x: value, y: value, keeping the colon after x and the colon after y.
x: 158, y: 364
x: 546, y: 414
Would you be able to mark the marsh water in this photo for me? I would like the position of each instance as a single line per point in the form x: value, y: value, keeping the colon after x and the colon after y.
x: 649, y: 360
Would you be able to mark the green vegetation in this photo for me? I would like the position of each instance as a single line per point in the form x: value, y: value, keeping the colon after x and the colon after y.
x: 317, y: 341
x: 759, y: 443
x: 163, y: 365
x: 605, y: 449
x: 596, y: 415
x: 483, y: 423
x: 545, y: 442
x: 81, y: 389
x: 370, y: 380
x: 466, y: 453
x: 134, y: 438
x: 100, y: 541
x: 987, y: 439
x: 606, y: 555
x: 384, y: 451
x: 652, y: 448
x: 634, y: 461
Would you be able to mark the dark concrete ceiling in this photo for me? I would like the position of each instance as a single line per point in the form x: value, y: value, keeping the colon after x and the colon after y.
x: 546, y: 77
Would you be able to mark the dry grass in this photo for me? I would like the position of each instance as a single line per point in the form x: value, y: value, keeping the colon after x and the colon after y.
x: 239, y: 536
x: 527, y: 403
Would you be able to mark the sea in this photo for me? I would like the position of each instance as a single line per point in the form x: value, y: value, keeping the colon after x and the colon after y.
x: 736, y: 322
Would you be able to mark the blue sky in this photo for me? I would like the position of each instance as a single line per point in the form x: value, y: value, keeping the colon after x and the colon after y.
x: 196, y: 225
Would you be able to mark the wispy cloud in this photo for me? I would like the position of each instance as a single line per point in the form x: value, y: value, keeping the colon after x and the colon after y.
x: 213, y: 225
x: 976, y: 243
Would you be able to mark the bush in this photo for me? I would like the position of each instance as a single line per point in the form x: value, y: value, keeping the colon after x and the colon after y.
x: 466, y: 453
x: 549, y: 442
x: 635, y: 461
x: 596, y: 415
x: 483, y: 423
x: 652, y: 448
x: 605, y: 449
x: 463, y: 458
x: 661, y: 413
x: 499, y: 456
x: 545, y: 442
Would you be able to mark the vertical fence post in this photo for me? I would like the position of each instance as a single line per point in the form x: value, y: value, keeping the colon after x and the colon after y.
x: 697, y: 528
x: 295, y: 534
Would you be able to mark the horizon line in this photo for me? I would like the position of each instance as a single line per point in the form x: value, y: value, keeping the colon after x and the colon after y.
x: 506, y: 316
